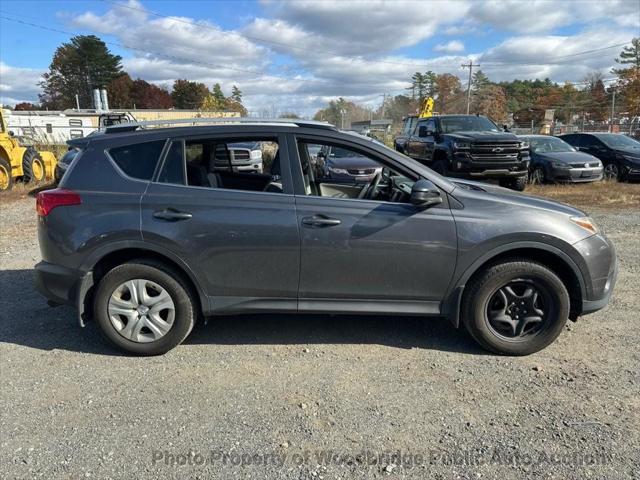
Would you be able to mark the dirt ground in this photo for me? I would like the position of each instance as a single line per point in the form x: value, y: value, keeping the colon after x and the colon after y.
x: 316, y: 396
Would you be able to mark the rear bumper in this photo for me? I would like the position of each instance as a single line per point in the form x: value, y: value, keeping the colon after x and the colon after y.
x: 64, y: 286
x: 58, y: 284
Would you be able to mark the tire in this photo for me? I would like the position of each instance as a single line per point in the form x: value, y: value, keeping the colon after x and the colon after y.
x: 6, y: 180
x: 518, y: 184
x: 490, y: 322
x: 33, y: 166
x: 537, y: 176
x: 612, y: 171
x: 156, y: 276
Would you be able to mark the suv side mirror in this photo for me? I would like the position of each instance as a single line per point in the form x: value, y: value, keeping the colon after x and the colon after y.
x: 425, y: 194
x: 505, y: 127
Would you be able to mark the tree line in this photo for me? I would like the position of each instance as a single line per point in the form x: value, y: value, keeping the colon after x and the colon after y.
x: 525, y: 100
x: 85, y: 63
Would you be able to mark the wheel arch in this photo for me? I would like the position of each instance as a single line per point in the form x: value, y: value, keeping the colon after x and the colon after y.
x: 101, y: 263
x: 549, y: 256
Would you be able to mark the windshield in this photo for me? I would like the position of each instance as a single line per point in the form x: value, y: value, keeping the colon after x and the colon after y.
x: 614, y: 140
x: 467, y: 124
x: 549, y: 144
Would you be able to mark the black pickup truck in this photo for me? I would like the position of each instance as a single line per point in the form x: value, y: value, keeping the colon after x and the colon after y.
x: 467, y: 146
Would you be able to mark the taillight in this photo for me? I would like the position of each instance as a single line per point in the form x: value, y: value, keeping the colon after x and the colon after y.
x: 47, y: 200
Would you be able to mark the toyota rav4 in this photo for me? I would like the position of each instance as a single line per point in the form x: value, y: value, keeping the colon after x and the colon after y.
x: 148, y: 232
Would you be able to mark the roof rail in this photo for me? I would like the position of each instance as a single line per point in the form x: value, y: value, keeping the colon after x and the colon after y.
x: 292, y: 122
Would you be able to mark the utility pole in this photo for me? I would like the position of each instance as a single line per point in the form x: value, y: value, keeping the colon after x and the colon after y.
x: 613, y: 109
x: 77, y: 102
x: 384, y: 100
x: 470, y: 67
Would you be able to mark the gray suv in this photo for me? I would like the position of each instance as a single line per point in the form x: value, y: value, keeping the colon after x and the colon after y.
x: 147, y: 233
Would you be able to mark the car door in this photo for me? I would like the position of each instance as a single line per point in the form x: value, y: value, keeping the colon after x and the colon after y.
x: 242, y: 246
x: 422, y: 147
x: 359, y: 255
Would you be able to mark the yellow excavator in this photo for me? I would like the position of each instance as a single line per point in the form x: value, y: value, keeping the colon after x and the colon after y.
x: 17, y: 161
x: 426, y: 109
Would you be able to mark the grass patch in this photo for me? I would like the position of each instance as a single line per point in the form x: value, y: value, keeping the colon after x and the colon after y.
x: 588, y: 196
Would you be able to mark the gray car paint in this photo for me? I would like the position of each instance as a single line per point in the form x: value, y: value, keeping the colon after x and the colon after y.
x: 245, y: 250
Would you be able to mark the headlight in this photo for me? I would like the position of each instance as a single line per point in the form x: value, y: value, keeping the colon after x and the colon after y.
x: 256, y: 154
x: 524, y: 145
x: 339, y: 171
x: 561, y: 165
x: 585, y: 222
x: 461, y: 145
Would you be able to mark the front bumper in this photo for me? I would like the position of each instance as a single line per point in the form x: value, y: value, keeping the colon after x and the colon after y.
x: 602, y: 270
x: 463, y: 164
x: 576, y: 175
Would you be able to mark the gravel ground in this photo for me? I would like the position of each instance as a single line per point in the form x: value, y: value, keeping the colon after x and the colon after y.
x: 315, y: 397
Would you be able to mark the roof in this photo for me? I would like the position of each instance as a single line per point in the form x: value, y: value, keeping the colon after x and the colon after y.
x: 135, y: 126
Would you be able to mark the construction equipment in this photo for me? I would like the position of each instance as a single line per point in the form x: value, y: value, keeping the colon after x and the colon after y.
x: 22, y: 162
x: 426, y: 109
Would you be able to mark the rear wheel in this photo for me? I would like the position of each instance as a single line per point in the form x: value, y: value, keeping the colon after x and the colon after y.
x: 6, y: 180
x: 515, y: 308
x: 144, y: 308
x: 517, y: 184
x: 33, y: 166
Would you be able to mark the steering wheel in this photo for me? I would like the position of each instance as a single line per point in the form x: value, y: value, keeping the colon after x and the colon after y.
x: 370, y: 190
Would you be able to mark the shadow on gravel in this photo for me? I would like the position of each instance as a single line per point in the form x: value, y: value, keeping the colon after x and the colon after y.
x: 26, y: 319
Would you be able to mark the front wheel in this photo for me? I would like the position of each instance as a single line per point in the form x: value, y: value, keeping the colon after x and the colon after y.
x: 144, y: 308
x: 515, y: 307
x: 612, y: 172
x: 518, y: 184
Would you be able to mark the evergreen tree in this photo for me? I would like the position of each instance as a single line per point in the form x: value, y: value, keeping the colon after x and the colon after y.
x: 77, y: 68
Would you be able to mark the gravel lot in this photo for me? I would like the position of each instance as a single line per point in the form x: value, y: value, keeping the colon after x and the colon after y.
x: 276, y: 397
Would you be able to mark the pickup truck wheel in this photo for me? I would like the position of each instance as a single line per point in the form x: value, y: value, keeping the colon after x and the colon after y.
x: 515, y: 307
x: 518, y: 184
x: 144, y: 308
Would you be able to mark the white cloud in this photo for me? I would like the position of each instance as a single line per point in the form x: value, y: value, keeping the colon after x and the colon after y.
x: 301, y: 54
x: 450, y: 47
x: 18, y: 84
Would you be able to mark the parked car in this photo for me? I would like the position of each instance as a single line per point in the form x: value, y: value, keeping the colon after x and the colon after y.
x: 63, y: 164
x: 619, y: 153
x: 467, y: 146
x: 346, y: 166
x: 554, y: 160
x: 160, y: 239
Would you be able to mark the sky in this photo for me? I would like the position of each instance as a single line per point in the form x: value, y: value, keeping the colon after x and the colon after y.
x: 296, y: 55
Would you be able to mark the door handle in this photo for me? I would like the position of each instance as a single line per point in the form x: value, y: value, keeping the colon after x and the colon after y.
x: 320, y: 221
x: 171, y: 215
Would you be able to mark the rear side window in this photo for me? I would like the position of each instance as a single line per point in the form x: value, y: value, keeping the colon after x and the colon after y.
x: 138, y: 160
x: 173, y: 168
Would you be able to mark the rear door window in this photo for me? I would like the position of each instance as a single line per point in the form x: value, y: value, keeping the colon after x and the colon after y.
x: 138, y: 160
x: 173, y: 170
